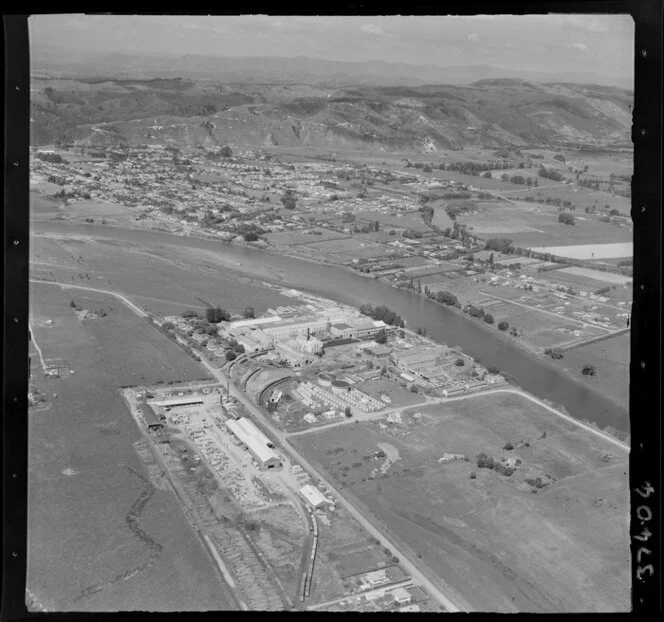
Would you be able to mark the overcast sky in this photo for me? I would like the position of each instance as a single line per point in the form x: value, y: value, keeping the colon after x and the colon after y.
x: 601, y: 44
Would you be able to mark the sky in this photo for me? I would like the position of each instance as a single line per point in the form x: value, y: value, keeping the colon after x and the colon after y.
x: 601, y: 44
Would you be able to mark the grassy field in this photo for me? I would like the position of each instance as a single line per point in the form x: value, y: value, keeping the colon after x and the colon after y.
x: 294, y: 238
x: 588, y: 251
x: 165, y: 281
x: 531, y: 224
x: 42, y: 206
x: 491, y: 539
x: 92, y: 510
x: 112, y: 212
x: 611, y: 358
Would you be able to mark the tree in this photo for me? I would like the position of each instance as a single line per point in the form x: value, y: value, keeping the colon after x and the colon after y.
x: 381, y: 336
x: 566, y: 219
x: 488, y: 318
x: 189, y: 314
x: 250, y: 236
x: 248, y: 313
x: 230, y: 355
x: 226, y: 152
x: 503, y: 325
x: 487, y: 175
x: 491, y: 259
x: 589, y: 370
x: 72, y: 304
x: 501, y: 245
x: 460, y: 362
x: 348, y: 412
x: 492, y: 369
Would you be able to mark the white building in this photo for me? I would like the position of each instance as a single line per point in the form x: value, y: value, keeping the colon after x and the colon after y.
x: 313, y: 496
x: 310, y: 346
x: 266, y: 457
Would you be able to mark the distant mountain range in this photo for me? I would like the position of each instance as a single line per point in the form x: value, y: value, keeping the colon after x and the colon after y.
x: 298, y: 70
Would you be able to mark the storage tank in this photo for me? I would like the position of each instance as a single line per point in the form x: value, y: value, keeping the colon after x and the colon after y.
x: 340, y: 386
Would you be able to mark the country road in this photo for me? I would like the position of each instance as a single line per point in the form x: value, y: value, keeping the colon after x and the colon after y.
x: 409, y: 566
x: 436, y: 590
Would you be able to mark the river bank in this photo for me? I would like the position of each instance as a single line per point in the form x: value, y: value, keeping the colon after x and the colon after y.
x: 535, y: 375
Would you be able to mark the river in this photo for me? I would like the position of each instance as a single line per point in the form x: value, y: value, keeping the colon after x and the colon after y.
x: 534, y: 374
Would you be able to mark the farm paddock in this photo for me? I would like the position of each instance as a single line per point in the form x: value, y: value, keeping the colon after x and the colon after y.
x: 493, y: 540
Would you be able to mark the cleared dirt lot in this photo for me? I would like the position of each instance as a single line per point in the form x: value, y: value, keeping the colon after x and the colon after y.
x: 101, y: 537
x: 491, y: 539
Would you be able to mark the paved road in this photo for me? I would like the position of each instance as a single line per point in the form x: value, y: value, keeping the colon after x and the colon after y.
x: 378, y: 591
x: 443, y: 400
x: 410, y: 567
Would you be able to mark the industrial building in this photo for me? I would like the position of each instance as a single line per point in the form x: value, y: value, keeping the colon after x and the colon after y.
x: 174, y: 402
x: 266, y: 457
x: 151, y: 419
x: 378, y: 350
x: 250, y: 428
x: 294, y: 357
x: 367, y: 328
x: 314, y: 497
x: 342, y: 330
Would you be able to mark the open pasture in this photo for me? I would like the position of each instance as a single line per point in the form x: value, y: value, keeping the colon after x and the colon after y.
x: 534, y: 224
x: 347, y: 248
x: 293, y: 238
x: 91, y: 507
x: 611, y: 357
x: 165, y: 281
x: 596, y: 275
x: 589, y: 251
x: 99, y: 210
x: 490, y: 538
x: 41, y: 206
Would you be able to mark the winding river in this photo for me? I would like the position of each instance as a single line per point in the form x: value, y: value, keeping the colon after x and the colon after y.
x: 534, y: 374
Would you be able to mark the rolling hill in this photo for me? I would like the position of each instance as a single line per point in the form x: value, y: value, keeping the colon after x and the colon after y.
x: 426, y: 118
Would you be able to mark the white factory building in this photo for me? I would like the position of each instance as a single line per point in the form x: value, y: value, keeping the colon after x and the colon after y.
x: 255, y: 441
x: 314, y: 497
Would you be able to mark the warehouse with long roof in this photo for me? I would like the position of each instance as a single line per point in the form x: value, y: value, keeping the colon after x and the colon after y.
x: 255, y: 442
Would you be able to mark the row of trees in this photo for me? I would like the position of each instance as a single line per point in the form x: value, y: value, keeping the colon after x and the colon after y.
x: 381, y: 312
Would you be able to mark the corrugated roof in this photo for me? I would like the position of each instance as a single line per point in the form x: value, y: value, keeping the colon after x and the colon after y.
x: 313, y: 495
x: 261, y: 451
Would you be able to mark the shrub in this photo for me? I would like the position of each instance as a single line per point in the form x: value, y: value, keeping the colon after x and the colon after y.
x: 503, y: 325
x: 488, y: 318
x: 589, y: 370
x: 473, y: 475
x: 460, y: 362
x: 492, y: 369
x: 508, y: 446
x: 566, y: 219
